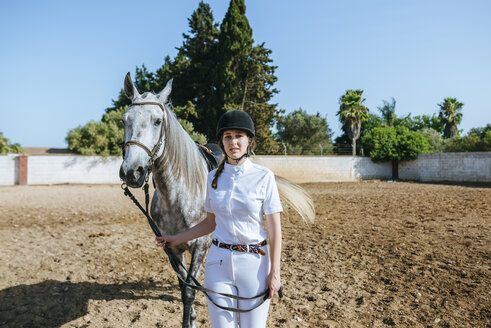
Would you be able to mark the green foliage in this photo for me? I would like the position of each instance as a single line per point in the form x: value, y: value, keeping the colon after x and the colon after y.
x: 352, y: 113
x: 351, y: 107
x: 6, y: 147
x: 478, y: 139
x: 304, y: 134
x: 388, y: 112
x: 434, y: 139
x: 451, y: 115
x: 421, y: 122
x: 342, y: 144
x: 245, y: 76
x: 188, y: 127
x: 215, y: 70
x: 395, y: 144
x: 99, y: 138
x: 195, y: 70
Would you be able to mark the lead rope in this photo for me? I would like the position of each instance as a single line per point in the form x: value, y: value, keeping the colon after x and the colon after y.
x: 176, y: 263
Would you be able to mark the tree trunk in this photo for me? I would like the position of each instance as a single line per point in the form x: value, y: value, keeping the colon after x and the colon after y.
x: 244, y: 97
x: 354, y: 146
x: 395, y: 170
x: 450, y: 130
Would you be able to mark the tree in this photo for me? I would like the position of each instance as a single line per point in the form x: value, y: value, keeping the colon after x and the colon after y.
x: 450, y: 114
x: 99, y: 138
x: 478, y: 139
x: 343, y: 143
x: 305, y: 134
x: 7, y: 147
x: 395, y: 144
x: 246, y: 76
x: 434, y: 139
x: 420, y: 122
x: 352, y: 113
x: 195, y: 70
x: 216, y: 69
x: 388, y: 112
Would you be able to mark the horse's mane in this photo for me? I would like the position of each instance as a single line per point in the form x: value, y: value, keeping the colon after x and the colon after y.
x: 181, y: 156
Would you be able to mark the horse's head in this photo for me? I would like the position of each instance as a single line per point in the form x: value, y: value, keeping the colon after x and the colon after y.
x: 144, y: 132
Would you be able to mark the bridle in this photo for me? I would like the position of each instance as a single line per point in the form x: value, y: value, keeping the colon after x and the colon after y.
x: 151, y: 153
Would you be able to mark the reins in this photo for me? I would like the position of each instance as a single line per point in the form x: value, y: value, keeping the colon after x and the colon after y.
x: 176, y: 263
x: 173, y: 259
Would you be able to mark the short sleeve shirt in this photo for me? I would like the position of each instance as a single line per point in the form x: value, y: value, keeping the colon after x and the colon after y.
x: 244, y: 193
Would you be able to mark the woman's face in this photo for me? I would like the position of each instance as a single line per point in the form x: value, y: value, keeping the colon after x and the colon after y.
x: 235, y: 143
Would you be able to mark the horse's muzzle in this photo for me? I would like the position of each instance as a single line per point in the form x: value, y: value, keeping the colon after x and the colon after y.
x: 133, y: 178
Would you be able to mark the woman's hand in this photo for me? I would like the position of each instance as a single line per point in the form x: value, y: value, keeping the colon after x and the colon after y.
x: 273, y: 283
x: 167, y: 241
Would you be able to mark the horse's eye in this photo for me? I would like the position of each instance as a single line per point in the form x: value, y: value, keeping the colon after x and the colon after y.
x: 158, y: 122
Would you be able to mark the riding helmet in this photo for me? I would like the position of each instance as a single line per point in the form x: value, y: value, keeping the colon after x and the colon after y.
x: 235, y: 120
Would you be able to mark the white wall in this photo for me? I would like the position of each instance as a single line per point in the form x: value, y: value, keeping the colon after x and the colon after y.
x: 324, y: 168
x: 9, y: 170
x: 461, y: 167
x: 72, y: 169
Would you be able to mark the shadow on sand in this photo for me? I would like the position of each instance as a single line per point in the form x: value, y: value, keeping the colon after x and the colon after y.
x: 53, y: 303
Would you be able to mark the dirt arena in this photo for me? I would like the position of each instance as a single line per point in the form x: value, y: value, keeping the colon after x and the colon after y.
x: 379, y: 255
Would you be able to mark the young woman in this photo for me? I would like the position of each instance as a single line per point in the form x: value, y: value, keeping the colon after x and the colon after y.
x: 239, y: 193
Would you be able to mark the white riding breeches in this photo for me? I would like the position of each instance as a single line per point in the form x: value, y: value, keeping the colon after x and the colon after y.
x: 238, y: 273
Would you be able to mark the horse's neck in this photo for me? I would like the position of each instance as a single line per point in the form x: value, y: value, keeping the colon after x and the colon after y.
x: 173, y: 188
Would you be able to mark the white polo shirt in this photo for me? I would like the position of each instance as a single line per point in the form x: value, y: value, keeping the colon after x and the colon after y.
x: 244, y: 193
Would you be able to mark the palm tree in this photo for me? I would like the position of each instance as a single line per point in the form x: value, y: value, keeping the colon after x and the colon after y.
x: 388, y: 112
x: 451, y: 115
x: 352, y: 113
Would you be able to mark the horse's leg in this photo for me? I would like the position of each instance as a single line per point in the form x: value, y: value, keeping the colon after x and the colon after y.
x: 186, y: 313
x: 198, y: 255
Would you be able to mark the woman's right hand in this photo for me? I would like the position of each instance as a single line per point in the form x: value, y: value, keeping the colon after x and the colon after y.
x: 167, y: 241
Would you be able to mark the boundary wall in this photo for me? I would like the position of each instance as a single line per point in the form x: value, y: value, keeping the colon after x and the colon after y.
x: 439, y: 167
x: 457, y: 167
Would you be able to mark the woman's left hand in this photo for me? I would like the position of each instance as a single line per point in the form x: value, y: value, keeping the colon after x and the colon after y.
x: 274, y: 283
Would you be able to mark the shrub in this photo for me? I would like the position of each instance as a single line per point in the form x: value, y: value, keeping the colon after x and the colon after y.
x: 7, y: 147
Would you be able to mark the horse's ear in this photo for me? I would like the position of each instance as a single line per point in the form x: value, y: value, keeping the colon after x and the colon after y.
x: 164, y: 94
x: 129, y: 88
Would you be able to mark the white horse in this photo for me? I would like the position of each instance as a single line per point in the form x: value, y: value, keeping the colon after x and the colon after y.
x: 155, y: 140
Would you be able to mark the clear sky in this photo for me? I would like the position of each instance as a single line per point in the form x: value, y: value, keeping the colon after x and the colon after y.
x: 62, y: 62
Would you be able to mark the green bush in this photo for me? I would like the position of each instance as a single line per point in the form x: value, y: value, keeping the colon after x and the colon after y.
x: 6, y: 147
x: 434, y: 138
x: 395, y: 144
x: 304, y: 134
x: 478, y: 139
x: 99, y: 138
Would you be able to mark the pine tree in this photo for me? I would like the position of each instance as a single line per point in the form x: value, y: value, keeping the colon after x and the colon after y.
x: 246, y: 76
x: 198, y: 78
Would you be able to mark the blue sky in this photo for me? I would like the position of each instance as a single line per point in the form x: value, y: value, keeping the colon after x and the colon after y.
x: 62, y: 62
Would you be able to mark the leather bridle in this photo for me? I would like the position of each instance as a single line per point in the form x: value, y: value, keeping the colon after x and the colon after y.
x: 151, y: 153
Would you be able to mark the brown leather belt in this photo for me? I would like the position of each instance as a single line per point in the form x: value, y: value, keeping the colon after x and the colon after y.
x: 252, y: 248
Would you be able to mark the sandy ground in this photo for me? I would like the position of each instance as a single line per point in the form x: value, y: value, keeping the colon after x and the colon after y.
x: 380, y: 254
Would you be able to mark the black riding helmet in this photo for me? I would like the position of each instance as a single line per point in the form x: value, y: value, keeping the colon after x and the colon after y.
x: 235, y: 120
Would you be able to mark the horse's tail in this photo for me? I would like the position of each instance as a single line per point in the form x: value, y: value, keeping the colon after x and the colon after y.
x: 297, y: 198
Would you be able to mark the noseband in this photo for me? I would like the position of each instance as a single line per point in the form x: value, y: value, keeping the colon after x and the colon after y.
x: 152, y: 153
